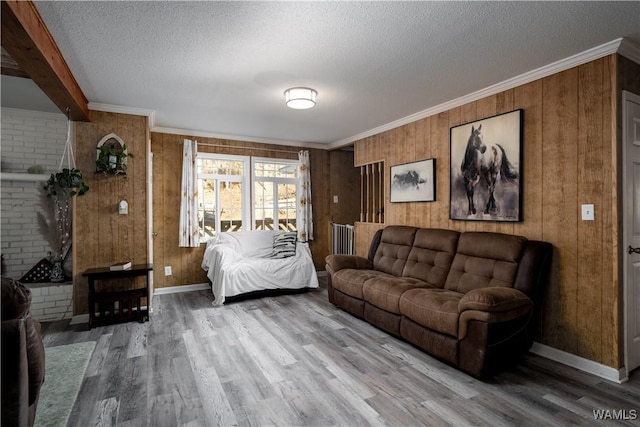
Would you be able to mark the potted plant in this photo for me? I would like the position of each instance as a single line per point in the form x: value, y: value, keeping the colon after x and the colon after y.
x: 111, y: 159
x: 55, y: 223
x: 65, y: 184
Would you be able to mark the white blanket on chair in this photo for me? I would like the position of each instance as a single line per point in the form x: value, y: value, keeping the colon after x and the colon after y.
x: 239, y: 262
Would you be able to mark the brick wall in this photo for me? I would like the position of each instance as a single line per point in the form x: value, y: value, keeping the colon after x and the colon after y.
x: 52, y: 302
x: 28, y: 138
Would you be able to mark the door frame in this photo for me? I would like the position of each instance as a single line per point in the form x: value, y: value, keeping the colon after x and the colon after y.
x: 626, y: 97
x: 150, y: 223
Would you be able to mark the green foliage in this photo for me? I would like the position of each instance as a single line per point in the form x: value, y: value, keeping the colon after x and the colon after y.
x: 66, y: 183
x: 106, y: 151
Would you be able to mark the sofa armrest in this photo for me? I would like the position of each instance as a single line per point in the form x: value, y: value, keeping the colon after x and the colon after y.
x: 341, y: 262
x: 494, y: 300
x: 492, y: 305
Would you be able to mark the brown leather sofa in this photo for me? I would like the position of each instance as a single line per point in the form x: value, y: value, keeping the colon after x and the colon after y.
x: 22, y: 356
x: 471, y: 299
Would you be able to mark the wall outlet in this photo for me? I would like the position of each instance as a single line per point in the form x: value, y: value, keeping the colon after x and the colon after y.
x: 335, y: 199
x: 167, y: 270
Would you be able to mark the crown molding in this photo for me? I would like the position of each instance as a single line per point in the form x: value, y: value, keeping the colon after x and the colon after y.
x: 134, y: 111
x: 204, y: 134
x: 629, y: 50
x: 618, y: 45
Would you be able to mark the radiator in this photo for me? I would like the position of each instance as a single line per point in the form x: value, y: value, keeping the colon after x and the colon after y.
x: 343, y: 239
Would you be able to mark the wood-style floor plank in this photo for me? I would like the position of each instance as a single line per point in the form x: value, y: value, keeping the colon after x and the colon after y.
x: 298, y: 360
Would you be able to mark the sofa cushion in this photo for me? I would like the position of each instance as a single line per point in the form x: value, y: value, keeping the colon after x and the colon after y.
x: 436, y: 309
x: 252, y: 244
x: 394, y: 248
x: 350, y: 281
x: 431, y: 255
x: 385, y: 291
x: 284, y: 244
x: 485, y: 260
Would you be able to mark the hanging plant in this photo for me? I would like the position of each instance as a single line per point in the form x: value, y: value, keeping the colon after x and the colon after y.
x: 66, y: 183
x: 54, y: 222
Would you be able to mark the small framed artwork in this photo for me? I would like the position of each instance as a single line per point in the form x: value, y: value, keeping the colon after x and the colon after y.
x: 486, y: 169
x: 413, y: 182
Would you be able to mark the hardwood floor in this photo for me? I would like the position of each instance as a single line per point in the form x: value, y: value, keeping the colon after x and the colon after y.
x: 297, y: 360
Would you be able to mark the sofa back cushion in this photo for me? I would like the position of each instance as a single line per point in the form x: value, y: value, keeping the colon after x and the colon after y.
x: 484, y: 260
x: 431, y: 255
x: 252, y: 244
x: 393, y: 250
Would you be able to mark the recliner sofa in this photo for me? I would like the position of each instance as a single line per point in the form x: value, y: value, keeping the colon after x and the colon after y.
x: 23, y: 358
x: 471, y: 299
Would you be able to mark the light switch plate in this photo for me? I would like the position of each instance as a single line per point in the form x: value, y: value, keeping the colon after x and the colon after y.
x: 588, y: 213
x: 335, y: 199
x: 167, y: 270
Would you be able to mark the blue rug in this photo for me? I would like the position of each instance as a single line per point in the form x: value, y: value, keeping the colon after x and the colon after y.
x: 65, y: 366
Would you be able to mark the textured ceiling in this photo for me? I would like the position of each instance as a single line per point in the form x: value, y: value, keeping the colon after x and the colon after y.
x: 222, y: 67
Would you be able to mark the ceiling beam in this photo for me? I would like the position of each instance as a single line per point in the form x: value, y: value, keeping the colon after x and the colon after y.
x: 26, y: 38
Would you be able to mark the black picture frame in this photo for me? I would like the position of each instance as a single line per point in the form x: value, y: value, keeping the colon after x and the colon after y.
x: 413, y: 182
x: 475, y: 170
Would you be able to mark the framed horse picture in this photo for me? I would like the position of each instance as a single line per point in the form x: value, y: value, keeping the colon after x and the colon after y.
x: 486, y: 169
x: 413, y: 182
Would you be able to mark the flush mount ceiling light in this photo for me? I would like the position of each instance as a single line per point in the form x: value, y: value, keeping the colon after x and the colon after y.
x: 300, y: 98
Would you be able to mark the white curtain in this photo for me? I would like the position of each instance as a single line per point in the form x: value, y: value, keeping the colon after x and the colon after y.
x: 189, y: 232
x: 305, y: 212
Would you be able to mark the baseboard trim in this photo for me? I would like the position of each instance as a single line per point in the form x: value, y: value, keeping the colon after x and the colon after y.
x: 589, y: 366
x: 178, y: 289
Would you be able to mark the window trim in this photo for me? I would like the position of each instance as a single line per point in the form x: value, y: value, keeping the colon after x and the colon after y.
x: 276, y: 180
x: 218, y: 178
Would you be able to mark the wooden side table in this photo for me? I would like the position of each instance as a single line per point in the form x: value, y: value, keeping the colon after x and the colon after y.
x: 129, y: 302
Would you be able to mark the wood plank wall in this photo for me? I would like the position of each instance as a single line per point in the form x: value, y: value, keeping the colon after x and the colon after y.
x: 570, y: 152
x: 185, y: 262
x: 100, y: 235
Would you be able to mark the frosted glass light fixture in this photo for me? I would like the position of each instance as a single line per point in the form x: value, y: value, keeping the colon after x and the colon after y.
x: 300, y: 98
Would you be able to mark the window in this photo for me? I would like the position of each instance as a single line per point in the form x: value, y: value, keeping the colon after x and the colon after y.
x: 229, y: 201
x: 222, y: 194
x: 274, y: 194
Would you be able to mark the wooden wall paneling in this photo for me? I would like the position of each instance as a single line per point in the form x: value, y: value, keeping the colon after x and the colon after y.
x: 406, y: 134
x: 321, y: 201
x: 157, y: 148
x: 423, y: 151
x: 612, y: 341
x: 139, y: 182
x: 172, y: 178
x: 560, y: 128
x: 529, y: 98
x: 364, y: 234
x: 591, y: 170
x: 101, y: 236
x: 440, y: 149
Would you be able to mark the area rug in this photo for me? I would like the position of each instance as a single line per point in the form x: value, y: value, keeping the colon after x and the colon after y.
x: 65, y: 366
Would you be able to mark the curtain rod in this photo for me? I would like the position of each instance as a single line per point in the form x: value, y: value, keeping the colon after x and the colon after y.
x: 204, y: 144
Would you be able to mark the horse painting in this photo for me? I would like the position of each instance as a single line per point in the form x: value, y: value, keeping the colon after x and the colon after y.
x: 488, y: 163
x: 409, y: 179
